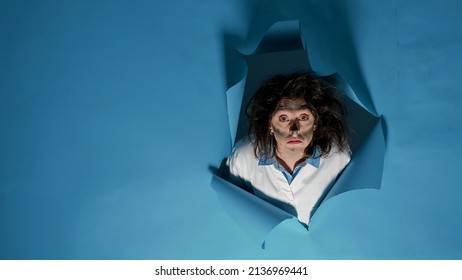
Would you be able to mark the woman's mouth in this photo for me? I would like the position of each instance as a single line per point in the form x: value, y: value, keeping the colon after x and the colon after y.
x: 294, y: 141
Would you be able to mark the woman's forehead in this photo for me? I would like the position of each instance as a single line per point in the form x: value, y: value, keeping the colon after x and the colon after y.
x: 292, y: 104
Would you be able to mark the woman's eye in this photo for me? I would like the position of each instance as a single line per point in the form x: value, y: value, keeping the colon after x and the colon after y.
x: 283, y: 119
x: 304, y: 117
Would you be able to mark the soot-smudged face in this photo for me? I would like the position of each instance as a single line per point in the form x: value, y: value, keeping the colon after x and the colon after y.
x: 292, y: 126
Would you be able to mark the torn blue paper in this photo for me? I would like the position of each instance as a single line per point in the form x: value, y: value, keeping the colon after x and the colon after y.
x: 244, y: 208
x: 281, y: 51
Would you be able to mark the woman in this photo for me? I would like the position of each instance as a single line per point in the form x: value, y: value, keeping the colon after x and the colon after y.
x: 296, y: 145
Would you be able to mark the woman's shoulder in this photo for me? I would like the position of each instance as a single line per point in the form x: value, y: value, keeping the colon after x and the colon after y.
x: 243, y: 148
x: 241, y: 159
x: 339, y: 153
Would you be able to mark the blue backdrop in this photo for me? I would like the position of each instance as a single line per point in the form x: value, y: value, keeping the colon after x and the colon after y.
x: 112, y: 114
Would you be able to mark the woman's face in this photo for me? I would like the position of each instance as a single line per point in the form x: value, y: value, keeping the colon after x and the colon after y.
x: 292, y: 125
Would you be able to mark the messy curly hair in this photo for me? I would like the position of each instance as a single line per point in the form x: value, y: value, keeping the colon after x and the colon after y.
x: 325, y: 103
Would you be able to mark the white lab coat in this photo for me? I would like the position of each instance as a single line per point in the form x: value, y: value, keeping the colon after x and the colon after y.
x: 302, y: 195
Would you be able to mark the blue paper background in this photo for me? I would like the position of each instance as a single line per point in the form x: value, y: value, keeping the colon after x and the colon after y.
x: 112, y: 112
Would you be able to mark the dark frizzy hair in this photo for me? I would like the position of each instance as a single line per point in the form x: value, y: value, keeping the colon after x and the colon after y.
x: 325, y: 103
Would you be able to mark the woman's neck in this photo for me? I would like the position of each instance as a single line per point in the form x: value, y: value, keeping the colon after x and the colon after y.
x: 289, y: 159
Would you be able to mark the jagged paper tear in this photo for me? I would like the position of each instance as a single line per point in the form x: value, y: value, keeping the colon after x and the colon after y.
x: 281, y: 50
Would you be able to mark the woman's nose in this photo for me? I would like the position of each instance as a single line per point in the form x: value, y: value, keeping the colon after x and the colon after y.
x: 294, y: 127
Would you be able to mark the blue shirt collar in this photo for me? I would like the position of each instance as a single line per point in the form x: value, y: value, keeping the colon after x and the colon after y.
x: 313, y: 160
